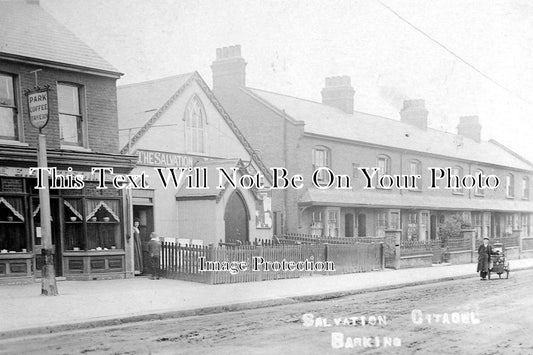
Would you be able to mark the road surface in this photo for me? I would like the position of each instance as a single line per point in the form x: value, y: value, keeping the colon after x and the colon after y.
x: 456, y: 317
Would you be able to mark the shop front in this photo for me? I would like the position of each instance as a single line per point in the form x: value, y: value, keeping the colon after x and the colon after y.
x: 88, y: 227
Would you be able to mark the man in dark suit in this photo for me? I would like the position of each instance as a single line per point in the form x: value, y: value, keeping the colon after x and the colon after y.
x: 483, y: 261
x: 154, y: 249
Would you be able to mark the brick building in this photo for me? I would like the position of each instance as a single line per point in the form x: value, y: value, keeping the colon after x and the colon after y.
x: 304, y: 135
x: 89, y: 226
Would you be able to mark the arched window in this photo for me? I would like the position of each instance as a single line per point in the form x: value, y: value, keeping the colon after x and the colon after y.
x: 478, y: 191
x: 195, y: 121
x: 509, y: 185
x: 321, y: 158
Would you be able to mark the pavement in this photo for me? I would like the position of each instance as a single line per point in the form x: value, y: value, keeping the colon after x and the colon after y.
x: 89, y: 304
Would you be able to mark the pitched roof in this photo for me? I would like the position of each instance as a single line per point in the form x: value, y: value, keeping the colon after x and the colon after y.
x: 140, y: 105
x: 27, y: 31
x: 330, y: 121
x: 137, y: 103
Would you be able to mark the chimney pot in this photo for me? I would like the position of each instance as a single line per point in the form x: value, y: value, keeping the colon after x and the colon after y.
x: 414, y: 112
x: 229, y: 68
x: 338, y: 92
x: 469, y: 127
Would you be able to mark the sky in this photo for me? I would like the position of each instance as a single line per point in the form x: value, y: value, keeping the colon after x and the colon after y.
x: 291, y: 46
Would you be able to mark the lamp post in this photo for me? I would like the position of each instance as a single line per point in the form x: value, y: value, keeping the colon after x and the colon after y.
x: 39, y: 115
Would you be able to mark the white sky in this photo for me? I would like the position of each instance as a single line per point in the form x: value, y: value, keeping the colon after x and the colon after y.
x: 291, y: 46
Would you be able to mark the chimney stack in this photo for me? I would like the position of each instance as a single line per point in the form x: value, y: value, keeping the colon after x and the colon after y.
x: 229, y: 68
x: 414, y: 113
x: 469, y: 127
x: 339, y: 93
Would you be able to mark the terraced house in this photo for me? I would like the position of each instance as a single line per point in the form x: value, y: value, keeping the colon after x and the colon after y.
x: 89, y: 226
x: 304, y: 135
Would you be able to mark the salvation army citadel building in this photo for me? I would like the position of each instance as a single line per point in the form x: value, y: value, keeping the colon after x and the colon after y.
x: 89, y: 225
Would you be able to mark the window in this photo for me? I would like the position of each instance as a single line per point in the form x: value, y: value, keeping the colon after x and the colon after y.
x: 477, y: 190
x: 195, y: 121
x: 70, y: 117
x: 321, y: 158
x: 12, y: 227
x: 8, y: 108
x: 458, y: 171
x: 384, y: 165
x: 382, y: 220
x: 525, y: 188
x: 415, y: 168
x: 509, y: 185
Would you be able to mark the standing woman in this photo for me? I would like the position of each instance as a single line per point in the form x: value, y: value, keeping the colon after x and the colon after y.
x: 483, y: 261
x: 137, y: 248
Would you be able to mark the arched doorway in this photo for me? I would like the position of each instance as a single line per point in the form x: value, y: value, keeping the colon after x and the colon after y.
x: 348, y: 225
x: 236, y: 219
x: 361, y: 225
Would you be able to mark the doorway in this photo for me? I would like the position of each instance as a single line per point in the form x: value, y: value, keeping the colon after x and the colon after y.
x: 361, y: 225
x: 433, y: 227
x: 348, y: 225
x: 236, y: 219
x: 145, y: 216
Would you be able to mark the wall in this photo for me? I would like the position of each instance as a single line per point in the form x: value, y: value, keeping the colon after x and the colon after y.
x: 100, y: 108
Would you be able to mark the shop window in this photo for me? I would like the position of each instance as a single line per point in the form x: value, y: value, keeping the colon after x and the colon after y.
x: 321, y: 159
x: 477, y: 190
x: 12, y: 228
x: 73, y: 216
x: 525, y: 188
x: 509, y: 185
x: 8, y: 108
x: 195, y: 121
x: 103, y: 228
x: 458, y: 171
x: 70, y: 114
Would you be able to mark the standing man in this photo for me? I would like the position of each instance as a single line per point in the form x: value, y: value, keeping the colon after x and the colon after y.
x: 154, y: 250
x: 483, y: 261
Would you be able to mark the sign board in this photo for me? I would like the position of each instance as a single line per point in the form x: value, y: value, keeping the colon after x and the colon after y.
x: 38, y: 107
x: 164, y: 159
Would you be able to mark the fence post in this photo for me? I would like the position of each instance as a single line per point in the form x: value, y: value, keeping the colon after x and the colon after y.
x: 392, y: 248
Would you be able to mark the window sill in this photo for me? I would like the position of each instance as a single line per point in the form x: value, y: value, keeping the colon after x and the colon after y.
x: 14, y: 143
x: 75, y: 148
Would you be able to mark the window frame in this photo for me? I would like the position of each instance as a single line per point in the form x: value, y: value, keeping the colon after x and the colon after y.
x: 477, y: 191
x: 191, y: 130
x: 418, y: 172
x: 80, y: 118
x: 327, y: 160
x: 15, y: 109
x: 509, y: 185
x: 525, y: 188
x: 460, y: 172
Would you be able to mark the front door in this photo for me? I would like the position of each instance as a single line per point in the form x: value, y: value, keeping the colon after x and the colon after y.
x: 56, y: 235
x: 433, y: 227
x: 361, y: 225
x: 236, y: 219
x: 348, y: 225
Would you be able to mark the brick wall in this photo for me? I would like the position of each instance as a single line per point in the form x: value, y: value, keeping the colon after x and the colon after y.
x: 100, y: 108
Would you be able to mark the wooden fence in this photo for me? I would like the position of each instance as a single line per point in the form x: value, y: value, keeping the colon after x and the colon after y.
x: 311, y: 239
x: 262, y: 261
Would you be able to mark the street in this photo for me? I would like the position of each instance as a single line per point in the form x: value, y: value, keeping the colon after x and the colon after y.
x: 457, y: 317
